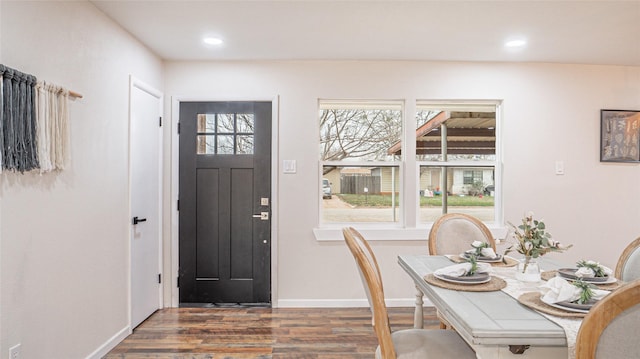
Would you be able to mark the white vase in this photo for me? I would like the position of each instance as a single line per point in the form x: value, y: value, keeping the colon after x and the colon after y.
x: 528, y: 270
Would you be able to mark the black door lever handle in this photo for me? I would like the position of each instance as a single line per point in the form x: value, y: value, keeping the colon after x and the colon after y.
x: 137, y: 220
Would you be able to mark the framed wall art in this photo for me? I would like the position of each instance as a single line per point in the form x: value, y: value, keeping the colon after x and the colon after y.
x: 619, y: 136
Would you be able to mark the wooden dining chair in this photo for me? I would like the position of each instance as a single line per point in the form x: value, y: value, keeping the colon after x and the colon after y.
x: 401, y: 344
x: 628, y: 267
x: 610, y: 329
x: 453, y: 233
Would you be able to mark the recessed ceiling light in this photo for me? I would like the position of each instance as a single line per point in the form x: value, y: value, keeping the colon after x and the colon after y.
x: 212, y: 41
x: 515, y: 43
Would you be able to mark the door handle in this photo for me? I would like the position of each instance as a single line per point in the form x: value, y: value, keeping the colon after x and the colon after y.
x: 263, y: 216
x: 137, y: 220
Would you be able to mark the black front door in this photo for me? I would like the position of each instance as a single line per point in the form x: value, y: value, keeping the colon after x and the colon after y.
x: 225, y: 201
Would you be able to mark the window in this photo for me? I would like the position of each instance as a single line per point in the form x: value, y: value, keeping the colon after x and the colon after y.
x: 456, y: 155
x: 225, y: 134
x: 471, y: 177
x: 364, y: 156
x: 363, y: 175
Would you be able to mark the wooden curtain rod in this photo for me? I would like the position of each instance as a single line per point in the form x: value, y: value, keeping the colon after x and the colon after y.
x: 3, y: 68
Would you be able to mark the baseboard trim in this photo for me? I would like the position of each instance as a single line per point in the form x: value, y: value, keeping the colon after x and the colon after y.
x: 346, y: 303
x: 110, y: 344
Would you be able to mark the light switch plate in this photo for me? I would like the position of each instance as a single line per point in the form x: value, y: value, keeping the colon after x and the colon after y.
x: 289, y: 166
x: 14, y: 352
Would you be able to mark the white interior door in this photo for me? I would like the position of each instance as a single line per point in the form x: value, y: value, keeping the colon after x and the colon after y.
x: 145, y: 144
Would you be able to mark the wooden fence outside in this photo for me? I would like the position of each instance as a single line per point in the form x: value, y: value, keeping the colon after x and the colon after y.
x: 357, y: 184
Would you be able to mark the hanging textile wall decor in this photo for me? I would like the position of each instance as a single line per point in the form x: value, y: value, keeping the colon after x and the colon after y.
x: 53, y: 126
x: 18, y: 121
x: 34, y: 123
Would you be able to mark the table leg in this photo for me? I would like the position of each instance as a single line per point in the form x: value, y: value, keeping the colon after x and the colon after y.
x: 418, y: 317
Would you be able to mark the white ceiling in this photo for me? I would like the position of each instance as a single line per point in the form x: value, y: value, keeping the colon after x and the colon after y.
x: 587, y: 32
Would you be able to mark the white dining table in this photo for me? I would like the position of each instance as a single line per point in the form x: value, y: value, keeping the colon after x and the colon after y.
x: 494, y: 323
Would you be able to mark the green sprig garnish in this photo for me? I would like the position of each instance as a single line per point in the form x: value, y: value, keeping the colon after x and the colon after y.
x: 586, y: 291
x: 474, y: 265
x: 480, y: 247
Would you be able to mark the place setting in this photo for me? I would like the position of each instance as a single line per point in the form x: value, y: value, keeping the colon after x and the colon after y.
x: 472, y: 275
x: 571, y: 292
x: 484, y: 254
x: 588, y: 271
x: 564, y: 298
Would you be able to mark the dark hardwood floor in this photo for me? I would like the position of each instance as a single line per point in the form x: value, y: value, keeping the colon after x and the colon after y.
x: 217, y: 333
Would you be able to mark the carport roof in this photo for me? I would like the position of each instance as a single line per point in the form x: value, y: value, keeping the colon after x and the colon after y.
x: 468, y: 133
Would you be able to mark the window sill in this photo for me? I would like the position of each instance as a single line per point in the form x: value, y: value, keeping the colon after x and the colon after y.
x: 328, y: 234
x: 373, y: 234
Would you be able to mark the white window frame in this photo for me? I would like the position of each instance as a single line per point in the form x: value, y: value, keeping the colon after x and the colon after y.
x: 409, y: 226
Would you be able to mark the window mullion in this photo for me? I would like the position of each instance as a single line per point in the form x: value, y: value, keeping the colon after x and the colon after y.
x: 410, y: 204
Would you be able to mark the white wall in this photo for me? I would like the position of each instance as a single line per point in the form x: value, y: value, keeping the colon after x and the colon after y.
x: 64, y: 236
x: 551, y: 112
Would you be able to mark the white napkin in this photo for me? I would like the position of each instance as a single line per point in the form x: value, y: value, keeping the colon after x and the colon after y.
x: 459, y: 270
x: 588, y: 272
x: 488, y: 252
x: 560, y: 290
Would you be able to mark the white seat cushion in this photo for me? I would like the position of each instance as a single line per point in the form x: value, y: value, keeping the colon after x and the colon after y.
x: 429, y: 343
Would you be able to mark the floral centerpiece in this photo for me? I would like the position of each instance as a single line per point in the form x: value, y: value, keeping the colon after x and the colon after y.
x: 533, y: 240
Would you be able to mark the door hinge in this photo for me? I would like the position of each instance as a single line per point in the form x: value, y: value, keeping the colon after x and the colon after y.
x: 178, y: 205
x: 178, y: 281
x: 160, y: 124
x: 159, y: 278
x: 178, y: 127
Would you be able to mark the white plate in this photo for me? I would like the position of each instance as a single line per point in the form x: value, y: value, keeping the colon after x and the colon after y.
x: 565, y: 308
x: 484, y: 259
x: 610, y: 279
x: 469, y: 282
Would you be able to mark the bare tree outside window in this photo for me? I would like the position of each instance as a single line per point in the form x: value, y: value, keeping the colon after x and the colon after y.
x: 359, y: 167
x: 225, y: 134
x: 359, y: 134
